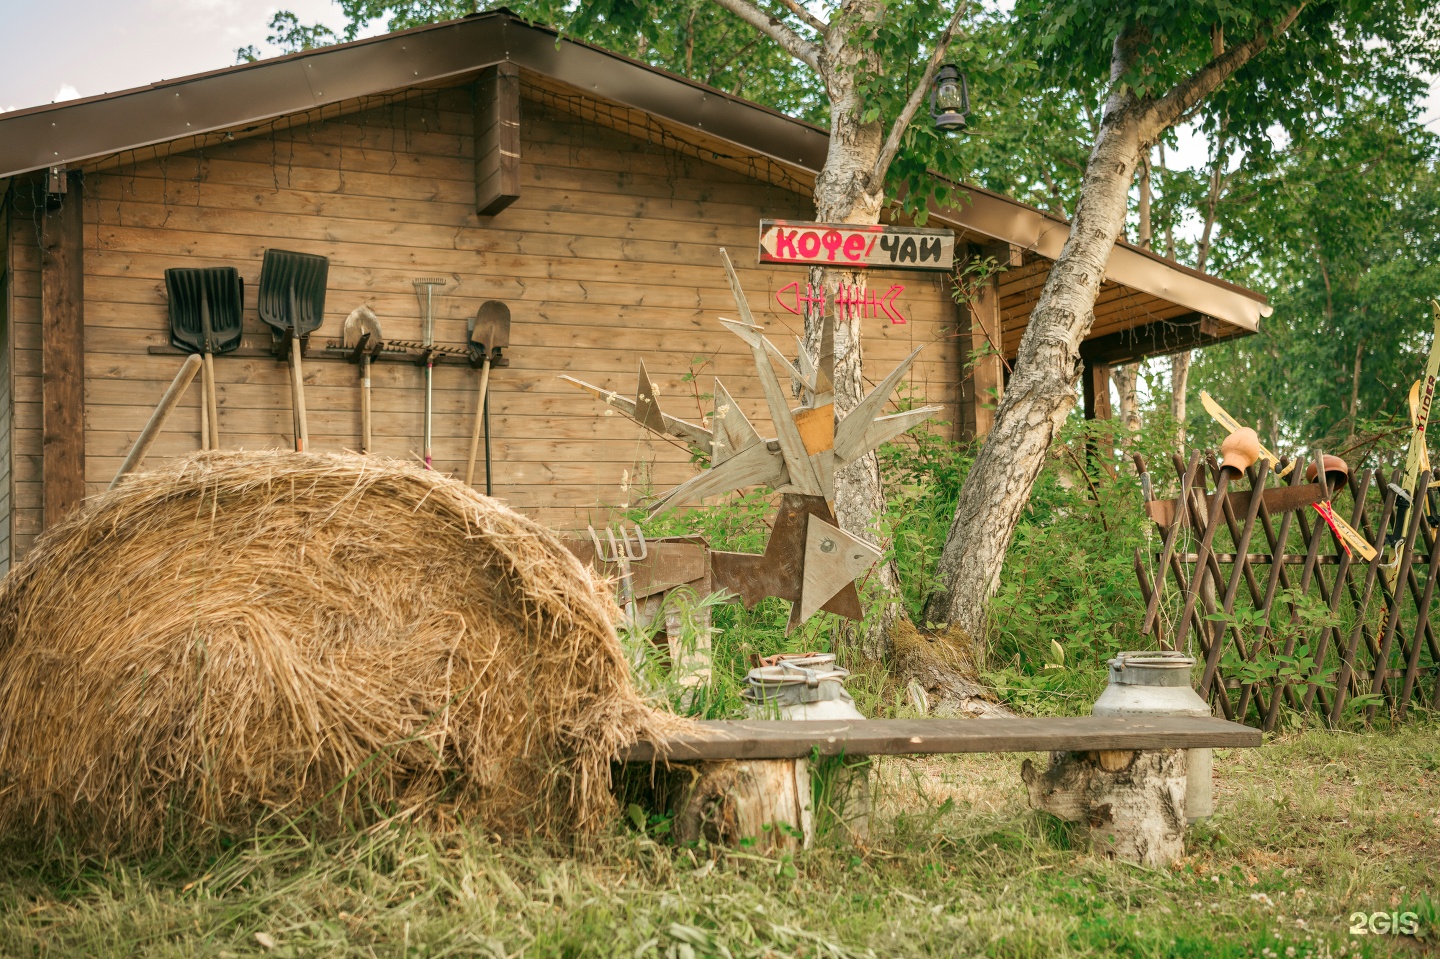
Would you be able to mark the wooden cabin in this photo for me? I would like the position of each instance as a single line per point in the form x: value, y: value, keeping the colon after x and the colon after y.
x: 586, y: 191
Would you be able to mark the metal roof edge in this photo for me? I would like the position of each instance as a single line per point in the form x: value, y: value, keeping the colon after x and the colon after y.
x: 76, y: 131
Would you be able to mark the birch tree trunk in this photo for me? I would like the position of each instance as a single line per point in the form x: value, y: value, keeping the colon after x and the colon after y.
x: 1179, y: 387
x: 1041, y: 390
x: 1127, y: 384
x: 1180, y: 362
x: 843, y: 194
x: 850, y: 188
x: 1127, y: 376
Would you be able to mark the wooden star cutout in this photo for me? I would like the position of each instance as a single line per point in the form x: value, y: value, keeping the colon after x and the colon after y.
x: 786, y: 566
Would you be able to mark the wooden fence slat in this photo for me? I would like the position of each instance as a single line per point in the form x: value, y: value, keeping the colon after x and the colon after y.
x: 1428, y: 537
x: 1359, y: 489
x: 1167, y: 549
x: 1313, y: 537
x: 1240, y: 537
x: 1372, y: 572
x: 1422, y: 624
x: 1382, y: 657
x: 1241, y: 541
x: 1202, y: 587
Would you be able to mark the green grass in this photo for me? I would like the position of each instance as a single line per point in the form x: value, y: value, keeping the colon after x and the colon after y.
x: 1310, y: 829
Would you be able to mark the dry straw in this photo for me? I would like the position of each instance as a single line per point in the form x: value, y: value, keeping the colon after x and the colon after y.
x: 330, y: 637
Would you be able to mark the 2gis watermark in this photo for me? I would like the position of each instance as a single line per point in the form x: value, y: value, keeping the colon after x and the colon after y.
x: 1384, y: 924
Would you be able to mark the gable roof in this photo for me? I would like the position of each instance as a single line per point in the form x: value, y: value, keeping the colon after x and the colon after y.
x: 76, y: 131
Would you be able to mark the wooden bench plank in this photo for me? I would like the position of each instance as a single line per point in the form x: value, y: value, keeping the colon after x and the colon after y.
x: 754, y: 739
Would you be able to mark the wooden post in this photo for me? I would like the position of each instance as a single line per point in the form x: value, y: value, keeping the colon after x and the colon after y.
x: 62, y: 350
x: 1097, y: 391
x: 497, y: 138
x: 980, y: 325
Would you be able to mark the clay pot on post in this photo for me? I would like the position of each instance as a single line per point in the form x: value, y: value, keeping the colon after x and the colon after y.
x: 1240, y: 450
x: 1337, y: 471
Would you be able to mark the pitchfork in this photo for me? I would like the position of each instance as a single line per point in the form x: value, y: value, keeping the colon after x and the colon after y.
x: 622, y: 553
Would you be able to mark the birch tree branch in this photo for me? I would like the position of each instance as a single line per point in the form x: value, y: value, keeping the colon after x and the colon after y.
x: 917, y: 97
x: 806, y: 17
x: 794, y: 44
x: 1167, y: 110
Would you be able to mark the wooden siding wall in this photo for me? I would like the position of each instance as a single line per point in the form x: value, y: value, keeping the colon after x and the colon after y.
x: 7, y: 406
x: 609, y: 255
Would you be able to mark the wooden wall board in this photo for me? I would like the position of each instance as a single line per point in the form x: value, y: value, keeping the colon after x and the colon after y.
x: 7, y: 405
x: 983, y: 338
x: 332, y: 113
x: 609, y: 253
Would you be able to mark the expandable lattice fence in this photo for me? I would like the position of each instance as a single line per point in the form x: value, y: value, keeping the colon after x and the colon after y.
x: 1280, y: 608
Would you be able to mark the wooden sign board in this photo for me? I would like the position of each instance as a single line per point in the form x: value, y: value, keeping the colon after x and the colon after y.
x: 856, y: 247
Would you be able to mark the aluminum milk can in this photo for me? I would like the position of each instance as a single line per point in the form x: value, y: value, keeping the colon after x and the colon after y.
x: 1157, y: 683
x: 812, y: 687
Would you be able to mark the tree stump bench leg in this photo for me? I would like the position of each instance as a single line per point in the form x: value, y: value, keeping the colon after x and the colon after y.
x: 779, y: 805
x: 727, y: 802
x: 1130, y: 804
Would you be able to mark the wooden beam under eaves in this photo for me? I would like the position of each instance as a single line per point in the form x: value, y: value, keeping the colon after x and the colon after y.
x: 497, y: 138
x: 1096, y: 391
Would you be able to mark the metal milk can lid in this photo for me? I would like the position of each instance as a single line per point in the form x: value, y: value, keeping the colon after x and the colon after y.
x: 1154, y: 667
x: 798, y: 679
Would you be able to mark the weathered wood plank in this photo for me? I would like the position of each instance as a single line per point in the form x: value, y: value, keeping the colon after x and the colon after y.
x: 425, y: 196
x: 63, y: 353
x: 725, y: 739
x: 1097, y: 391
x: 980, y: 319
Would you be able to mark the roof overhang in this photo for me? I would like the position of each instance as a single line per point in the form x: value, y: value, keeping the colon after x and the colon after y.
x: 77, y: 131
x: 1036, y: 231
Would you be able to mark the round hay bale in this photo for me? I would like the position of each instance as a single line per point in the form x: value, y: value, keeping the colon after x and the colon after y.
x: 328, y: 636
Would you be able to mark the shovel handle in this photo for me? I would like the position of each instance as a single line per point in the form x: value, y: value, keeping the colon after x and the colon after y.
x: 365, y: 403
x: 479, y: 418
x: 297, y: 391
x: 211, y: 404
x: 157, y: 419
x: 204, y: 417
x: 429, y: 406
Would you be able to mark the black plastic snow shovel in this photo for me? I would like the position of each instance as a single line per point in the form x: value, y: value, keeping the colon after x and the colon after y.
x: 292, y: 301
x: 205, y: 310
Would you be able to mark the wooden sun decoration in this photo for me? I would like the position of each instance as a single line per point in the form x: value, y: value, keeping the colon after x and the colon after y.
x: 808, y: 559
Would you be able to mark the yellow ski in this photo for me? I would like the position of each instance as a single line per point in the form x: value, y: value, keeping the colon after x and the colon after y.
x: 1230, y: 423
x: 1422, y: 394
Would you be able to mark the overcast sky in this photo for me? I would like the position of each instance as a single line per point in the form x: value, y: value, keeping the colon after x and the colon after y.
x: 60, y: 49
